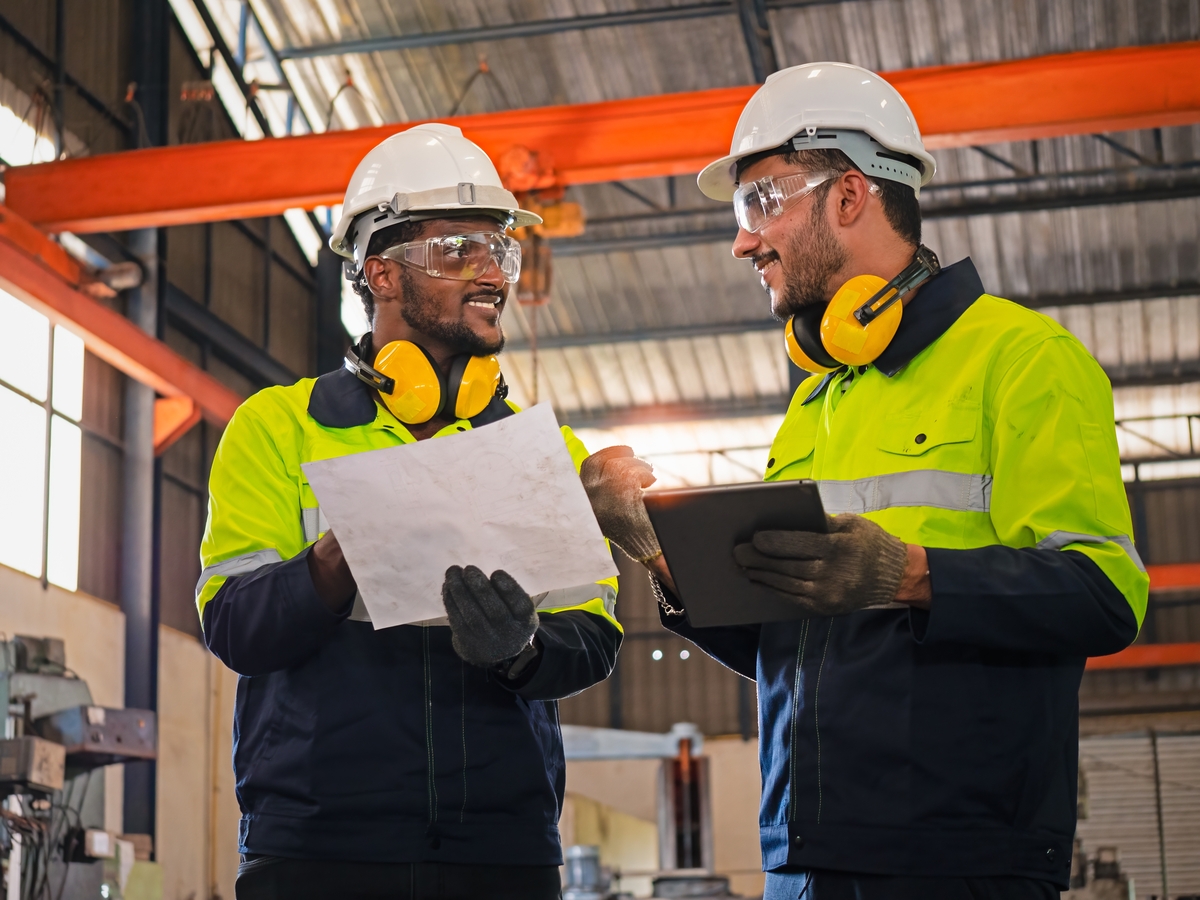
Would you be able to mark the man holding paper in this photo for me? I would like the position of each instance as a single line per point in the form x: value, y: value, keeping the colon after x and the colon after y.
x: 423, y: 760
x: 919, y: 715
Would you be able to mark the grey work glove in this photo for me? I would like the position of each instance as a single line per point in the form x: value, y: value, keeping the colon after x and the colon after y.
x: 491, y: 620
x: 614, y: 480
x: 856, y: 565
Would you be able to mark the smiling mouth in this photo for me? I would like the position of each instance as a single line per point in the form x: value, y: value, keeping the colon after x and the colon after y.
x: 765, y: 267
x: 493, y: 303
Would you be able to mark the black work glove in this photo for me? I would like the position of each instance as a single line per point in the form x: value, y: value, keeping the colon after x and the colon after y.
x: 491, y: 620
x: 856, y: 565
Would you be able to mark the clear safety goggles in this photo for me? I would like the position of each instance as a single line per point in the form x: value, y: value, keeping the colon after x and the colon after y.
x: 461, y: 257
x: 756, y: 203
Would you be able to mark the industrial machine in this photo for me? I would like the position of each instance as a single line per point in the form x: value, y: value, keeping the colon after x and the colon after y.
x: 685, y: 843
x: 54, y: 744
x: 1099, y: 876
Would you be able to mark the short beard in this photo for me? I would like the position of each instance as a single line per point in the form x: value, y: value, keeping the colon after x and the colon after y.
x: 419, y: 310
x: 816, y: 257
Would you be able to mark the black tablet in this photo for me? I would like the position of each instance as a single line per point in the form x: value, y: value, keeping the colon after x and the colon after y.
x: 698, y: 528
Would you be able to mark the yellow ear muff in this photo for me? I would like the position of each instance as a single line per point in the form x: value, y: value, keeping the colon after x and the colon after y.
x: 803, y: 343
x: 476, y: 386
x: 419, y: 392
x: 844, y: 337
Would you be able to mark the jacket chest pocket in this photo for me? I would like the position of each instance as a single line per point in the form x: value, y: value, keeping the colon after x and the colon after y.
x: 944, y: 431
x: 792, y: 450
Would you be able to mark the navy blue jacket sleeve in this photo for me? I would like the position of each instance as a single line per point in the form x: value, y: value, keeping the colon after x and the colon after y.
x: 1025, y: 601
x: 269, y: 619
x: 578, y: 650
x: 733, y: 646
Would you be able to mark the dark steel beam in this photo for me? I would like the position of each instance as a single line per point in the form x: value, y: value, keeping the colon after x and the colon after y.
x: 46, y: 62
x: 201, y: 324
x: 1112, y: 187
x: 513, y: 30
x: 711, y: 329
x: 226, y: 343
x: 756, y: 31
x: 1150, y: 374
x: 675, y: 412
x: 233, y: 65
x: 589, y: 246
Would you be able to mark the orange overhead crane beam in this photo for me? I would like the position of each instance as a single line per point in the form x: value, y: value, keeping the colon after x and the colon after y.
x: 1170, y: 577
x: 1148, y: 656
x: 39, y: 272
x: 673, y: 134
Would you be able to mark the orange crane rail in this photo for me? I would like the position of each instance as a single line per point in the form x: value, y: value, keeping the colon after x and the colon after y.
x: 958, y: 105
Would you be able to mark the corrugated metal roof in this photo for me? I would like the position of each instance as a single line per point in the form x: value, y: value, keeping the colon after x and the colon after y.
x: 1023, y: 254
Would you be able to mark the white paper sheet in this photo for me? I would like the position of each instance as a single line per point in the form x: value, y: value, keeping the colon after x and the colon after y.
x: 505, y: 496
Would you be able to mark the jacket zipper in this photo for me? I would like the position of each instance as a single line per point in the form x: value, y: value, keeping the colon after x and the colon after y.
x: 431, y: 783
x: 795, y: 721
x: 816, y: 720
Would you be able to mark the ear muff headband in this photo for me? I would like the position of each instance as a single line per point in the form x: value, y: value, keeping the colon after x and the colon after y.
x: 859, y: 322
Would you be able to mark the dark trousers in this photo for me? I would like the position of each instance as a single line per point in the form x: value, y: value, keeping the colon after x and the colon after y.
x: 818, y: 884
x: 273, y: 878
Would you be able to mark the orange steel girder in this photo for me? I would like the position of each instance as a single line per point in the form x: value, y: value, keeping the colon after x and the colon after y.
x: 674, y: 134
x: 37, y: 271
x: 1171, y: 577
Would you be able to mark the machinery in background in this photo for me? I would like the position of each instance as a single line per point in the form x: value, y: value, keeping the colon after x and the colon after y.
x: 55, y: 741
x: 1098, y: 877
x: 685, y: 844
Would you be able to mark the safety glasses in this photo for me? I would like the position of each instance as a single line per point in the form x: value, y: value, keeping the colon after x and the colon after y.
x: 756, y: 203
x: 461, y: 257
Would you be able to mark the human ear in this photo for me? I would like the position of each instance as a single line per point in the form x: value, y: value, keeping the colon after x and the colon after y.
x: 379, y: 277
x: 852, y: 190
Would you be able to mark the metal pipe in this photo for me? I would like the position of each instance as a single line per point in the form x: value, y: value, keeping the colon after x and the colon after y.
x: 1158, y: 810
x: 138, y: 539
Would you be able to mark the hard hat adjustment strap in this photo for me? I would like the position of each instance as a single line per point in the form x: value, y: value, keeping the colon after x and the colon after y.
x: 923, y: 267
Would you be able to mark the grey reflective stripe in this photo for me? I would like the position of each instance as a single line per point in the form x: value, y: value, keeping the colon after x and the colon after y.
x: 1060, y: 539
x: 314, y: 523
x: 564, y: 598
x: 238, y: 565
x: 957, y: 491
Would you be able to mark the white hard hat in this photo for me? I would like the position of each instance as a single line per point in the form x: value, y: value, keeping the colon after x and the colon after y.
x: 826, y: 105
x: 422, y: 173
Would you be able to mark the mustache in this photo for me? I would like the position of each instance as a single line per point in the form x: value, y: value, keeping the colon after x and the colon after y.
x: 761, y: 259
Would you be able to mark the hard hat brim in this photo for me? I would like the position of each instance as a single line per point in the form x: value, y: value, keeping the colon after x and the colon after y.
x: 716, y: 180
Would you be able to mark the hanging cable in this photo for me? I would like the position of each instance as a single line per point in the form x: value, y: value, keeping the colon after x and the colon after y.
x: 484, y: 71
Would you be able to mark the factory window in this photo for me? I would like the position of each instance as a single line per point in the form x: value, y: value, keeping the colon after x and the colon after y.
x: 41, y: 402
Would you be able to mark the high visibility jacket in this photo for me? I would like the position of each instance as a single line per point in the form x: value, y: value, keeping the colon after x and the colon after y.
x: 357, y: 744
x: 945, y: 743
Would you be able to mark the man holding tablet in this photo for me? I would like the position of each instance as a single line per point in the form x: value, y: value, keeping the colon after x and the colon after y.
x: 919, y: 722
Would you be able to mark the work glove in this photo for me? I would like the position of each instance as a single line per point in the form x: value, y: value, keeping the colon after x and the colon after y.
x: 614, y: 479
x: 491, y: 620
x: 855, y: 566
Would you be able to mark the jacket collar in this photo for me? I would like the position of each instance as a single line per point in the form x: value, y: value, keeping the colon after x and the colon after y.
x: 937, y: 306
x: 340, y: 400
